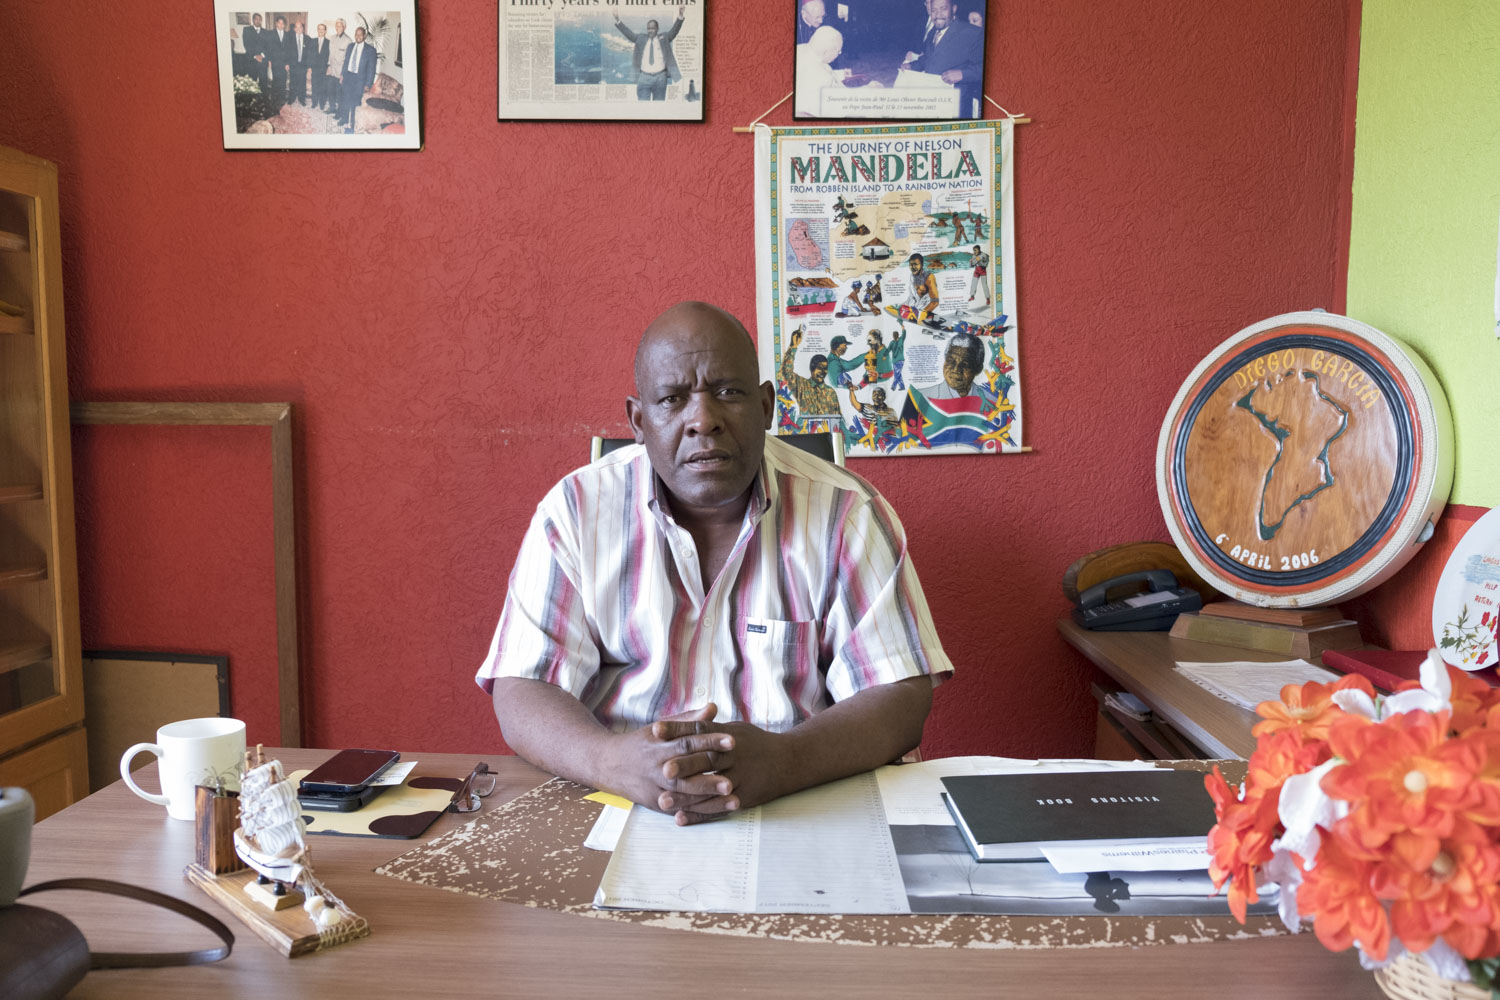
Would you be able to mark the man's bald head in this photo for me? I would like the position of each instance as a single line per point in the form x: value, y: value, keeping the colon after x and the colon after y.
x: 694, y: 325
x: 698, y: 408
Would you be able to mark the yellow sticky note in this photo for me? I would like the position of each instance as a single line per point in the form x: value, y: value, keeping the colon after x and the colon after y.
x: 610, y: 800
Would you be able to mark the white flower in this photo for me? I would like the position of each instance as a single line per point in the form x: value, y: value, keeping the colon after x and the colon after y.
x: 1446, y: 962
x: 1283, y: 871
x: 1303, y: 807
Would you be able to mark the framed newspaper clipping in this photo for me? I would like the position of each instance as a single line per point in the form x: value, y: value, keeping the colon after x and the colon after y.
x: 637, y: 60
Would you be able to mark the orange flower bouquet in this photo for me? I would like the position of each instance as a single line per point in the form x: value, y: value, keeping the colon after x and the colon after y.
x: 1378, y: 819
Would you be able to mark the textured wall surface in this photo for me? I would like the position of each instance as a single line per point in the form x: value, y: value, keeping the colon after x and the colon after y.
x: 1422, y: 246
x: 453, y: 324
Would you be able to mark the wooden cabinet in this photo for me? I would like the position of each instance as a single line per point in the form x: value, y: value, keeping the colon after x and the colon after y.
x: 41, y: 679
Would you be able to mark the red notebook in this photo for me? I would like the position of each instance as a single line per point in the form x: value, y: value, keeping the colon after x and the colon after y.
x: 1388, y: 669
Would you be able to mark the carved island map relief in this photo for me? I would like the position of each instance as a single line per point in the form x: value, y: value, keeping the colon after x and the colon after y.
x: 1304, y: 421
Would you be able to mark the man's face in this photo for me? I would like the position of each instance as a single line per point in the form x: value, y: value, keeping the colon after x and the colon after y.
x: 838, y: 352
x: 298, y: 27
x: 650, y: 27
x: 813, y: 12
x: 942, y: 13
x: 699, y: 410
x: 281, y: 24
x: 916, y: 265
x: 256, y: 20
x: 338, y: 27
x: 819, y: 371
x: 957, y: 371
x: 322, y: 31
x: 878, y: 396
x: 359, y: 34
x: 873, y: 341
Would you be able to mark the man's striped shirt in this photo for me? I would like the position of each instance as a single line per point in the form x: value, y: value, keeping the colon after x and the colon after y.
x: 817, y: 601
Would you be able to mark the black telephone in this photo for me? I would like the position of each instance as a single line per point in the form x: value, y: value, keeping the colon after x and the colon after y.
x: 1152, y: 610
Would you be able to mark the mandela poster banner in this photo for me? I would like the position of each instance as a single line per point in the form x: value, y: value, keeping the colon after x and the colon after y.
x: 886, y: 285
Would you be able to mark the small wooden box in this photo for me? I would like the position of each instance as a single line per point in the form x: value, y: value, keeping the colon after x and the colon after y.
x: 217, y: 816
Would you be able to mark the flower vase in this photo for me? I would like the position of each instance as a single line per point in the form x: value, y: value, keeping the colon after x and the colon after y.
x: 1411, y: 978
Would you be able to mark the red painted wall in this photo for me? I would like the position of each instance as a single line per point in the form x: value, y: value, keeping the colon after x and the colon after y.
x: 453, y: 324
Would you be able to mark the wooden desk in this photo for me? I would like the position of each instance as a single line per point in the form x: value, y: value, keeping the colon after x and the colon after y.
x: 431, y: 943
x: 1143, y: 663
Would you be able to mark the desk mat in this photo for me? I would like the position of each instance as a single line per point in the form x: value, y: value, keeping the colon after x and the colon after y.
x: 530, y: 851
x: 402, y: 812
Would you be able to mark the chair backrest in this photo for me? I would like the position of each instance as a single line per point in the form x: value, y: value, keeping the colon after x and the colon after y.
x: 828, y: 445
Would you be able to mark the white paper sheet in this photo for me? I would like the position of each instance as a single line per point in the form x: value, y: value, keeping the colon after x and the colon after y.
x: 825, y: 850
x: 394, y: 775
x: 1246, y: 683
x: 605, y: 833
x: 913, y: 793
x: 1133, y: 858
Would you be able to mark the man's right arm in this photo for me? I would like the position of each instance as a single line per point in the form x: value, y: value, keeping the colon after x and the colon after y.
x: 543, y: 655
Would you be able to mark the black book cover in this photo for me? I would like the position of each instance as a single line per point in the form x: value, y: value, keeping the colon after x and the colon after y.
x: 1004, y: 811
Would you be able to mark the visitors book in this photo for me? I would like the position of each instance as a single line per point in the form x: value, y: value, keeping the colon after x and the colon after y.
x: 1012, y: 817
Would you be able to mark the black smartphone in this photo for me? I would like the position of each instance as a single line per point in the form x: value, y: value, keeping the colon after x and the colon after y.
x: 349, y: 770
x: 338, y: 801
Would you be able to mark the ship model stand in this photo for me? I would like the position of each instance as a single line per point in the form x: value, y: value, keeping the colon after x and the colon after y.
x: 261, y: 870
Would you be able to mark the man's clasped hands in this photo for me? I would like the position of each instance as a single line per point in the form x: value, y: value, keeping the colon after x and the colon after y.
x: 698, y: 769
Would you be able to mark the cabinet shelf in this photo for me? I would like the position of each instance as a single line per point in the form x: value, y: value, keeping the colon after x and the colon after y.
x: 18, y: 575
x: 14, y: 241
x: 20, y: 492
x: 16, y: 655
x: 15, y: 324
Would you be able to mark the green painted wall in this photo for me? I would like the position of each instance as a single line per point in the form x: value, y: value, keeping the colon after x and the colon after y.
x: 1427, y: 207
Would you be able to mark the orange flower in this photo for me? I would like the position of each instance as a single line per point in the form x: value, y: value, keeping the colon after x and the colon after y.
x: 1455, y: 895
x: 1337, y: 894
x: 1240, y: 841
x: 1472, y: 699
x: 1281, y: 754
x: 1402, y: 776
x: 1307, y: 708
x: 1483, y: 805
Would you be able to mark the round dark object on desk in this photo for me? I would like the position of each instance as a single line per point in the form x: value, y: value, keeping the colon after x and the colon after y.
x: 1304, y: 460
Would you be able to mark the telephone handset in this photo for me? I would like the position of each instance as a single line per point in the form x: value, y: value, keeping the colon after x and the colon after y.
x: 1154, y: 609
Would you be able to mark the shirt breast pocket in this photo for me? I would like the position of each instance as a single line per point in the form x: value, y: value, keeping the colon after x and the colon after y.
x: 768, y: 633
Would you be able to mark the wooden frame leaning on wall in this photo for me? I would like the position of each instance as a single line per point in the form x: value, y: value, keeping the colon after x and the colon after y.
x: 278, y: 417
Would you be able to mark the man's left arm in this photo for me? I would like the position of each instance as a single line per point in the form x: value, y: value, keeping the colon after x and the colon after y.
x: 671, y: 32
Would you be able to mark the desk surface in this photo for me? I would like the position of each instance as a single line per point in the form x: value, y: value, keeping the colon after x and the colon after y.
x: 431, y: 943
x: 1143, y: 663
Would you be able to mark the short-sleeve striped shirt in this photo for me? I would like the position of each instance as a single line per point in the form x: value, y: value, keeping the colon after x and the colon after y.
x: 817, y: 601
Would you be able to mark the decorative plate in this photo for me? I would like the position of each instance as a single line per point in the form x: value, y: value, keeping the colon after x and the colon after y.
x: 1466, y: 607
x: 1304, y: 460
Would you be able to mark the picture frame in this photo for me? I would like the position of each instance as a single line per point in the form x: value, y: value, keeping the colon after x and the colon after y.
x: 279, y: 91
x: 889, y: 60
x: 277, y: 417
x: 129, y: 694
x: 576, y: 62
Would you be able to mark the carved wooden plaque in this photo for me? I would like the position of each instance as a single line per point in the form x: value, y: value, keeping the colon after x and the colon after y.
x: 1303, y: 460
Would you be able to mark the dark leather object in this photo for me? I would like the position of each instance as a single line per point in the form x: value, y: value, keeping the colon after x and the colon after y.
x: 42, y: 955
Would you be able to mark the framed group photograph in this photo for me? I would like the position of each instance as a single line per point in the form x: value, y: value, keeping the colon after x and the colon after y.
x: 896, y: 60
x: 326, y: 77
x: 640, y: 61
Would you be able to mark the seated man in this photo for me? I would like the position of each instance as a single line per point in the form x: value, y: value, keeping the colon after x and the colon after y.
x: 711, y: 619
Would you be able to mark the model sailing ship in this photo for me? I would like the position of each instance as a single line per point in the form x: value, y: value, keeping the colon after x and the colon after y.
x: 271, y: 839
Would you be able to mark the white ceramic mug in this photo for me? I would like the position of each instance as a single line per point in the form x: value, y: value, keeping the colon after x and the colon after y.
x: 191, y: 753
